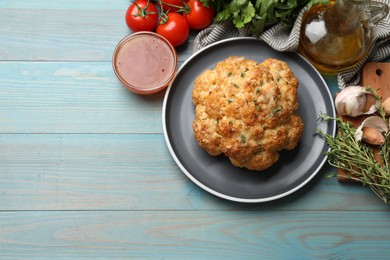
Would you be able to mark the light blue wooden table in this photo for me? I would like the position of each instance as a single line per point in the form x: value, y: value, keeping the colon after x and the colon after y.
x: 85, y: 171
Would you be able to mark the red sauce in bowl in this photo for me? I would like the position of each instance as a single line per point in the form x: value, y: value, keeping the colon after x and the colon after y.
x: 145, y: 62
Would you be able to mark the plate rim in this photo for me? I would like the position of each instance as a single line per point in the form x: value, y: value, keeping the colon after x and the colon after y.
x: 203, y: 186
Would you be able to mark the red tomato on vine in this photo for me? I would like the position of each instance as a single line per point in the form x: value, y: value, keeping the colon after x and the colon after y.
x: 199, y: 16
x: 174, y: 28
x: 142, y: 15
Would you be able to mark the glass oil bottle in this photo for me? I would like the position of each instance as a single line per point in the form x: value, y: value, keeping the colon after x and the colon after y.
x: 336, y: 36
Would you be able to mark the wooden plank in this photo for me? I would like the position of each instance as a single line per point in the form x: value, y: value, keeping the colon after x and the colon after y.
x: 83, y: 33
x: 47, y: 34
x: 65, y: 4
x: 195, y: 235
x: 72, y: 97
x: 132, y: 171
x: 85, y: 172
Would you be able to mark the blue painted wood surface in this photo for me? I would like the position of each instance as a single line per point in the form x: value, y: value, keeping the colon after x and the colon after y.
x: 85, y: 171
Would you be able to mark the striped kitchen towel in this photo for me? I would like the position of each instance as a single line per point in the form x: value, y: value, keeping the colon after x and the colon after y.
x: 281, y: 38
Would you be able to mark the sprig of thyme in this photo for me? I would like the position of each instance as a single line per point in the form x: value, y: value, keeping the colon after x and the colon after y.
x: 358, y: 159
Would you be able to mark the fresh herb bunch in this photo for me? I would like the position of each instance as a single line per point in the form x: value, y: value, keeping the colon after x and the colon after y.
x: 358, y: 159
x: 256, y: 14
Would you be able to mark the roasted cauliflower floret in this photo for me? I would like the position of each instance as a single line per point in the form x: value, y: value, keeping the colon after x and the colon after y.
x: 246, y: 111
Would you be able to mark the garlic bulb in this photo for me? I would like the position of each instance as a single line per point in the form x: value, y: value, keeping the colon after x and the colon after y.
x: 355, y: 101
x: 371, y: 129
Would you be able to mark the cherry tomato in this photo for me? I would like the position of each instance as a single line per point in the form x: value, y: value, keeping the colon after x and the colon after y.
x: 199, y: 16
x: 172, y: 5
x: 175, y: 30
x: 142, y: 15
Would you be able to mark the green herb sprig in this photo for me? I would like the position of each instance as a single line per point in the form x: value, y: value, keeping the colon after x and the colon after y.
x: 357, y: 158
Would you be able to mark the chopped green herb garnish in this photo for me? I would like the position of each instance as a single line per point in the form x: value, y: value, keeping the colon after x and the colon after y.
x: 257, y: 105
x: 229, y: 74
x: 235, y: 85
x: 229, y: 100
x: 276, y: 110
x: 243, y: 139
x: 230, y: 122
x: 243, y: 72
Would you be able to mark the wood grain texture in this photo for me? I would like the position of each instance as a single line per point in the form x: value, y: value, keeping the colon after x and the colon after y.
x: 377, y: 76
x: 65, y: 31
x: 195, y: 235
x: 132, y: 172
x: 85, y: 172
x: 86, y: 5
x: 72, y: 97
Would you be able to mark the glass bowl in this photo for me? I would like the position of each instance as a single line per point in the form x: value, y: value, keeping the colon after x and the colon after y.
x: 144, y: 62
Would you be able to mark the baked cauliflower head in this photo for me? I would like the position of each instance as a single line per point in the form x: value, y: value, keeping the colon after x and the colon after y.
x: 246, y: 111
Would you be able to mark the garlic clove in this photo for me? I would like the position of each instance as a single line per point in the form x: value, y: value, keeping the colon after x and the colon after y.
x: 371, y: 129
x: 372, y: 136
x: 386, y: 106
x: 355, y: 101
x: 372, y: 104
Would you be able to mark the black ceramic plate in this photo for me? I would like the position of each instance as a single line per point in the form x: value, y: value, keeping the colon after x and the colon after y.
x: 216, y: 174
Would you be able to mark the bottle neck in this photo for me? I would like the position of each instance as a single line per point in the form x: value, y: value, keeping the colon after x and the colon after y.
x: 345, y: 15
x: 349, y: 6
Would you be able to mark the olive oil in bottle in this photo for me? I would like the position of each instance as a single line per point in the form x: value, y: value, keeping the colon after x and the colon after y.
x: 335, y: 37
